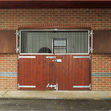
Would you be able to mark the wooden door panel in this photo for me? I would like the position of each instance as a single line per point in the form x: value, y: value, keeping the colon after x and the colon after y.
x: 73, y: 72
x: 27, y: 73
x: 43, y: 71
x: 64, y: 73
x: 81, y: 71
x: 40, y: 73
x: 50, y: 72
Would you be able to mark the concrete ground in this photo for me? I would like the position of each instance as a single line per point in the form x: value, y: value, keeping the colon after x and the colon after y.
x: 56, y: 94
x: 54, y: 105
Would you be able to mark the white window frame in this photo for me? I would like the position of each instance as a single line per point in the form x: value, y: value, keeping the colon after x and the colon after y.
x: 59, y: 30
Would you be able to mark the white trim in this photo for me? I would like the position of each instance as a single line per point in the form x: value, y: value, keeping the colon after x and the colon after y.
x: 27, y: 57
x: 17, y: 36
x: 88, y: 42
x: 26, y: 86
x: 92, y: 48
x: 20, y: 43
x: 53, y: 30
x: 54, y: 54
x: 50, y: 57
x: 52, y: 46
x: 81, y: 57
x: 82, y: 86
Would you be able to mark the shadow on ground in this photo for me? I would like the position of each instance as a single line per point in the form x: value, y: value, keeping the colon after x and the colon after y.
x: 54, y: 105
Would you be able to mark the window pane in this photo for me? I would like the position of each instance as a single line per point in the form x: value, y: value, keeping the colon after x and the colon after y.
x: 78, y: 42
x: 35, y: 42
x: 60, y: 43
x: 59, y: 50
x: 42, y: 42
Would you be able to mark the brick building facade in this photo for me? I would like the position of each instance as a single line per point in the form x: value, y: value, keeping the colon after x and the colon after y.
x: 96, y: 19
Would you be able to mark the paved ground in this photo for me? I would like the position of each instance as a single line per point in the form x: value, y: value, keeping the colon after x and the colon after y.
x: 54, y: 105
x: 56, y: 94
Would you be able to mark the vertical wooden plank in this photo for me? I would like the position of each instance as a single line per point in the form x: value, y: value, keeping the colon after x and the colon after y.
x: 71, y: 67
x: 65, y: 72
x: 50, y: 72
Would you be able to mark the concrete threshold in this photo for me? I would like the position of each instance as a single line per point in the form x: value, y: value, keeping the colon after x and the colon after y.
x: 56, y: 94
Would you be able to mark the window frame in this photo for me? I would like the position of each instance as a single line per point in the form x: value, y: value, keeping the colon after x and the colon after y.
x: 52, y: 30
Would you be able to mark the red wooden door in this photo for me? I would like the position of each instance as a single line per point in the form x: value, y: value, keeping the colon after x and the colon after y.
x: 73, y: 73
x: 64, y: 75
x: 54, y: 72
x: 46, y: 75
x: 37, y: 72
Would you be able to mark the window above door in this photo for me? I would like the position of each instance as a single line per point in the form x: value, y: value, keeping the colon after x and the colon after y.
x: 61, y: 42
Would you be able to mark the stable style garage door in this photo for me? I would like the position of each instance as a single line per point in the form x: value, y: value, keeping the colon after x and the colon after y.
x: 54, y: 60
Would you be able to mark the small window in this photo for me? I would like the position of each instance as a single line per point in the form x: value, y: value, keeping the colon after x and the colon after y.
x: 60, y: 45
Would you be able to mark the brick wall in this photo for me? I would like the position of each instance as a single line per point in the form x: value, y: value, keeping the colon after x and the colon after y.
x: 95, y: 18
x: 8, y: 72
x: 101, y: 72
x: 11, y: 19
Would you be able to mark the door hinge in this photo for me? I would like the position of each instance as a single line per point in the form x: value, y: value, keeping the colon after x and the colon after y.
x: 83, y: 86
x: 27, y: 57
x: 91, y: 32
x: 91, y: 39
x: 17, y: 33
x: 77, y: 57
x: 91, y: 49
x: 26, y: 86
x: 17, y: 41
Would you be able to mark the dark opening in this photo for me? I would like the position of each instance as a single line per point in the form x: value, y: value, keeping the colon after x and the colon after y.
x: 44, y: 50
